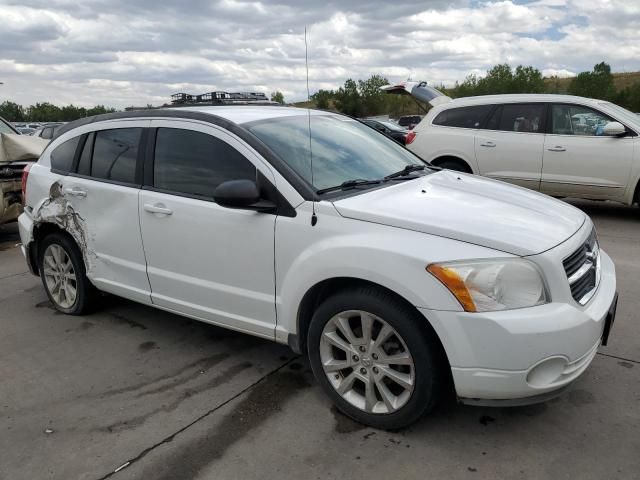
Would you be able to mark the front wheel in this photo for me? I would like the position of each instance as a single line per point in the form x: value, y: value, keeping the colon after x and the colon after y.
x: 375, y: 359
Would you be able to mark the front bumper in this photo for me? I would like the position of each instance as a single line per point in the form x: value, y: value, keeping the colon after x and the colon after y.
x: 524, y: 353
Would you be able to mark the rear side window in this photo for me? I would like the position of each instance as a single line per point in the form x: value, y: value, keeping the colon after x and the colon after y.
x: 195, y: 163
x: 62, y: 156
x: 463, y: 117
x: 115, y: 154
x: 517, y: 117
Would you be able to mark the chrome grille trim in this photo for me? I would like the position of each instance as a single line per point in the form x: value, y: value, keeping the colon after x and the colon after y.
x: 583, y: 270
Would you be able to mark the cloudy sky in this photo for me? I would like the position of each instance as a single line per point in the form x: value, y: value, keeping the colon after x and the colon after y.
x: 134, y: 52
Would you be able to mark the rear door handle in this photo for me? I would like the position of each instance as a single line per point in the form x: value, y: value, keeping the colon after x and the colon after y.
x: 74, y: 192
x: 488, y: 144
x: 557, y: 148
x: 157, y: 208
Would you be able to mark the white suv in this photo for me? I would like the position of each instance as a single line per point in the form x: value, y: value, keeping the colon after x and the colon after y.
x: 396, y: 278
x: 561, y: 145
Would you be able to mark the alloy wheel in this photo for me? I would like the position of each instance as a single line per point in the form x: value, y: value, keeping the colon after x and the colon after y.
x: 367, y: 362
x: 60, y: 276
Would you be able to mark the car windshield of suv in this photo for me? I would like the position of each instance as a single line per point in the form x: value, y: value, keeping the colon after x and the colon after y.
x: 626, y: 114
x: 343, y: 149
x: 4, y: 128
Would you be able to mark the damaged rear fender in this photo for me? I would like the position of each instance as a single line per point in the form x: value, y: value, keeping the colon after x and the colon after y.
x: 58, y: 212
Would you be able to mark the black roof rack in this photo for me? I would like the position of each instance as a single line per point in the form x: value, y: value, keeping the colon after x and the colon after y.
x: 220, y: 98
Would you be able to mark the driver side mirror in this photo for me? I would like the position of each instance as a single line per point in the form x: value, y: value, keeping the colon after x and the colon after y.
x: 241, y: 194
x: 614, y: 129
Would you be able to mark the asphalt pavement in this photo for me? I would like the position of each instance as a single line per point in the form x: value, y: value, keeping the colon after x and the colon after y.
x: 131, y: 392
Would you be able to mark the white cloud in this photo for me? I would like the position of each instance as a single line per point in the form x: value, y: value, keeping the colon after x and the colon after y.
x: 119, y: 52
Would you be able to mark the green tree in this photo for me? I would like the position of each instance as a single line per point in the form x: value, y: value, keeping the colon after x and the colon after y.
x: 322, y: 98
x: 348, y: 99
x: 12, y: 112
x: 277, y: 97
x: 501, y: 79
x: 595, y: 84
x: 374, y: 100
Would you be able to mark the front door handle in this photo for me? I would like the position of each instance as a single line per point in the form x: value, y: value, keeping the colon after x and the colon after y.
x: 557, y: 148
x: 157, y: 208
x: 488, y: 144
x: 74, y: 192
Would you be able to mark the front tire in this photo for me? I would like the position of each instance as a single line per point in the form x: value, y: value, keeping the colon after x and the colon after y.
x: 375, y: 357
x: 63, y: 275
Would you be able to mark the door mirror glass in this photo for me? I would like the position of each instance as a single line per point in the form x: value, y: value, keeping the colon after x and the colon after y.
x: 237, y: 194
x: 614, y: 129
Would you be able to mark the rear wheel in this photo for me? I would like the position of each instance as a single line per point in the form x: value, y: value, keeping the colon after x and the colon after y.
x: 371, y: 356
x: 63, y: 275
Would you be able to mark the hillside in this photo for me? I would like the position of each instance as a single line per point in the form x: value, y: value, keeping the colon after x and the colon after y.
x: 620, y: 80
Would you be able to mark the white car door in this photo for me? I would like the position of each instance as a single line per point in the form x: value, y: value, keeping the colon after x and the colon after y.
x: 204, y: 260
x: 579, y: 160
x: 510, y: 146
x: 103, y: 194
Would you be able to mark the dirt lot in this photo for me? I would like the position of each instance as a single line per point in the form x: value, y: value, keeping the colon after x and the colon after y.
x: 156, y: 396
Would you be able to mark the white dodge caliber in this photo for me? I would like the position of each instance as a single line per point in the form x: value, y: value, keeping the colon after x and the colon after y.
x: 399, y: 280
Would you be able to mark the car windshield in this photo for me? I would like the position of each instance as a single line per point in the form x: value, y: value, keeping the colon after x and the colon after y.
x: 4, y: 128
x: 626, y: 114
x: 393, y: 126
x: 343, y: 149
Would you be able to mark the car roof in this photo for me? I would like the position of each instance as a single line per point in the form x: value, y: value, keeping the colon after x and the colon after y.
x: 240, y: 114
x: 520, y: 97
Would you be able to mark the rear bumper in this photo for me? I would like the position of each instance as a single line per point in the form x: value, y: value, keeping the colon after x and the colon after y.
x: 527, y: 353
x: 25, y: 227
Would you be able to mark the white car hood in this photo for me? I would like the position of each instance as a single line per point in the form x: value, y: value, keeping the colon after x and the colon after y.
x: 471, y: 209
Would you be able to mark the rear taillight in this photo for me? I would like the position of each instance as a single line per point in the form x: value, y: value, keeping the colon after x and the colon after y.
x: 25, y: 176
x: 411, y: 136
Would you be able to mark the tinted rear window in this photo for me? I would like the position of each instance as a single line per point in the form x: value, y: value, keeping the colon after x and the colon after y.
x: 196, y: 163
x: 115, y: 154
x: 518, y: 117
x: 62, y: 155
x: 463, y: 117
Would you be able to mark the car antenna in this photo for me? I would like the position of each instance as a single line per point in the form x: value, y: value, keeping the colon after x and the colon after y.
x: 314, y: 217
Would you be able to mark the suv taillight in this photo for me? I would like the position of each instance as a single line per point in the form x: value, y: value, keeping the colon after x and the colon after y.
x: 25, y: 176
x: 411, y: 136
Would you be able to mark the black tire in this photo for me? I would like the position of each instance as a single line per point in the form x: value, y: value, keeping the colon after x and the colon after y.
x: 86, y: 293
x: 456, y: 165
x: 424, y: 347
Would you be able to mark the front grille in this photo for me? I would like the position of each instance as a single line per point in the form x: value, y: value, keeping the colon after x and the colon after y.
x: 583, y: 269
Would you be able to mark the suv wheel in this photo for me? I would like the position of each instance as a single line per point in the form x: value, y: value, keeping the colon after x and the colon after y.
x: 63, y: 275
x: 370, y: 355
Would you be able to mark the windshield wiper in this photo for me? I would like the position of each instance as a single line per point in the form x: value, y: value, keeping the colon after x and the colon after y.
x: 405, y: 171
x: 349, y: 184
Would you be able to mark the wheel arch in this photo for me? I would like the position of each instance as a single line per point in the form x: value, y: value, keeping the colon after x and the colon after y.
x: 40, y: 231
x: 322, y: 290
x: 443, y: 158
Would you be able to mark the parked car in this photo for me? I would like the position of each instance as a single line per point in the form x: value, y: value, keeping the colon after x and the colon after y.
x: 48, y: 131
x: 16, y: 151
x: 396, y: 278
x: 25, y: 130
x: 561, y: 145
x: 390, y: 129
x: 409, y: 121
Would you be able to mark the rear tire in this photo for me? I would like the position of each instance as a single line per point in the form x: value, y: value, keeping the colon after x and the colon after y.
x: 371, y: 388
x: 63, y: 275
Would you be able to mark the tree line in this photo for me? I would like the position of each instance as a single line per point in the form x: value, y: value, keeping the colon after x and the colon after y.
x: 47, y: 112
x: 363, y: 97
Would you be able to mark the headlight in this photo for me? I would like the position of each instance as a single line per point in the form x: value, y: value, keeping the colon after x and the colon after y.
x: 489, y: 285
